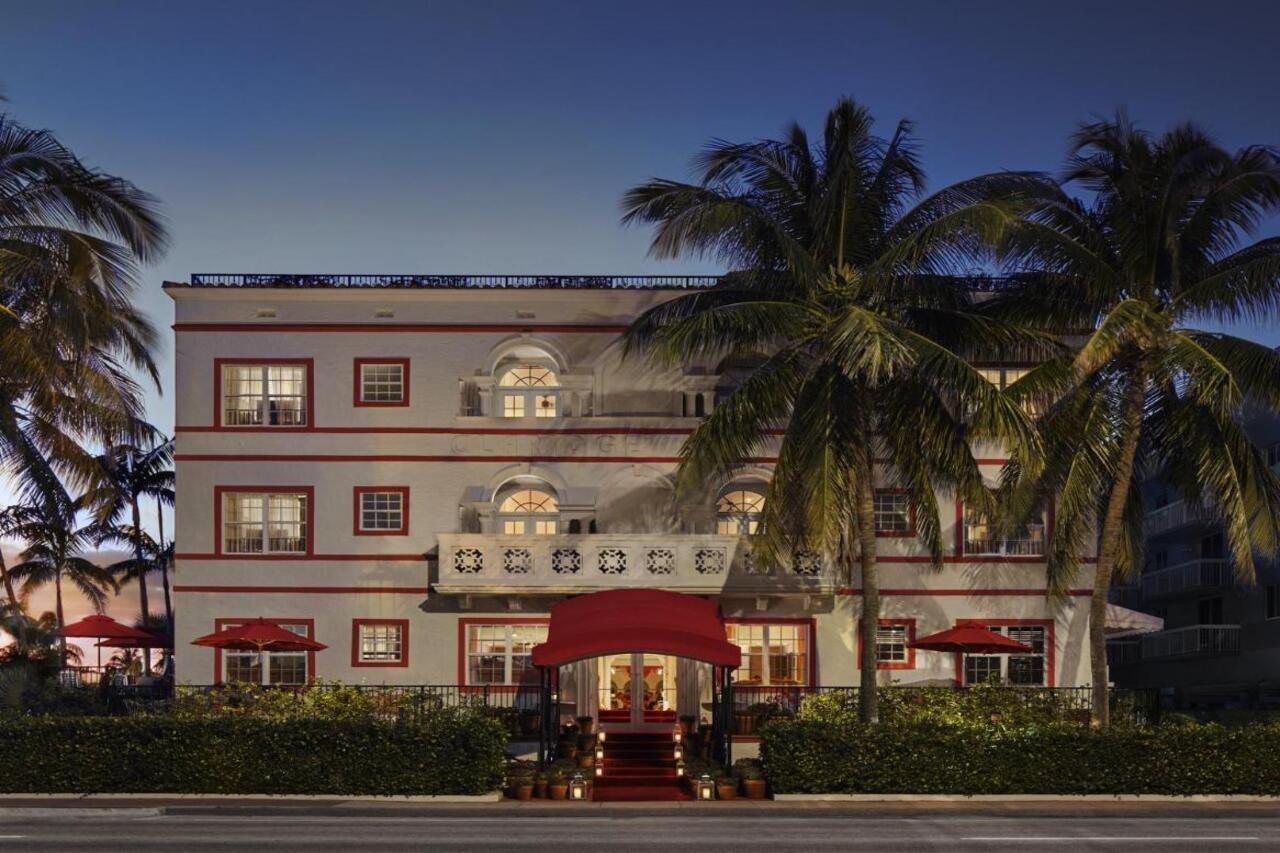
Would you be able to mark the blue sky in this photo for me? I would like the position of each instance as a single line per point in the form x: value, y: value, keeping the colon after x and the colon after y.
x: 497, y: 137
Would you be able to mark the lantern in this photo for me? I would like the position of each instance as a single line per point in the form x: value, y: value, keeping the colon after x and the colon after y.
x: 599, y: 752
x: 706, y: 787
x: 577, y: 787
x: 679, y: 752
x: 680, y: 768
x: 599, y: 770
x: 678, y: 735
x: 600, y: 736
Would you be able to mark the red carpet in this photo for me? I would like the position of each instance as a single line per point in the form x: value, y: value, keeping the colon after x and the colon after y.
x: 639, y: 767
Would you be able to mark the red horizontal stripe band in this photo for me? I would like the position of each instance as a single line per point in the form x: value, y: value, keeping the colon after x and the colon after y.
x: 347, y: 558
x: 464, y: 328
x: 289, y: 457
x: 452, y: 430
x: 336, y: 590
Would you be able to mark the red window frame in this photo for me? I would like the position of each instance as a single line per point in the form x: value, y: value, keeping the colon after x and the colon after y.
x: 811, y: 644
x: 308, y: 363
x: 219, y: 491
x: 911, y: 515
x: 356, y: 624
x: 222, y: 622
x: 464, y: 624
x: 1050, y: 646
x: 357, y: 381
x: 403, y: 491
x: 910, y: 662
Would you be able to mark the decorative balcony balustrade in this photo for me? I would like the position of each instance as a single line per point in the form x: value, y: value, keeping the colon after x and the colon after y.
x: 1186, y: 578
x: 1175, y: 515
x: 487, y: 562
x: 1192, y: 640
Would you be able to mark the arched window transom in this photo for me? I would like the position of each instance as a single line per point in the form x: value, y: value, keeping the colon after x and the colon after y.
x: 529, y: 511
x: 738, y: 512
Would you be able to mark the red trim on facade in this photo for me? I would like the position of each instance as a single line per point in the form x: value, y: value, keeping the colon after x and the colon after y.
x: 399, y: 327
x: 910, y: 662
x: 980, y: 593
x: 227, y: 621
x: 1050, y: 645
x: 286, y: 457
x: 327, y: 590
x: 309, y: 521
x: 348, y: 558
x: 355, y: 643
x: 308, y: 363
x: 463, y: 624
x: 470, y: 430
x: 811, y: 644
x: 358, y: 383
x: 403, y: 491
x: 911, y: 515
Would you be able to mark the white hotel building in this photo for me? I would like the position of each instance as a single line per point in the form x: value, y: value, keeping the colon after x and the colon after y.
x: 414, y: 470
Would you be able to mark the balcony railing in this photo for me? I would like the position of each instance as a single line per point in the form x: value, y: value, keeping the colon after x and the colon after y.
x: 1186, y: 578
x: 1192, y: 640
x: 1175, y: 515
x: 488, y: 562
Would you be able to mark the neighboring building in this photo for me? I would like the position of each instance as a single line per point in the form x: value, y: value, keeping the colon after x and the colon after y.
x: 1220, y: 647
x: 413, y: 471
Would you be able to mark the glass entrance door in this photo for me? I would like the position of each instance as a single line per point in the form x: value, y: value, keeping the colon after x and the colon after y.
x: 638, y: 689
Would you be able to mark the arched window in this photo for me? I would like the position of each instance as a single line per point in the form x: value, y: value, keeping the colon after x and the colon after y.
x: 738, y: 512
x: 528, y: 390
x: 529, y: 511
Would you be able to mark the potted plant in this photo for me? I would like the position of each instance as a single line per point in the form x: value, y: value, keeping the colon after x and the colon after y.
x: 587, y: 759
x: 726, y: 786
x: 520, y: 780
x: 586, y: 724
x: 568, y: 748
x: 557, y: 784
x: 751, y: 772
x: 540, y: 785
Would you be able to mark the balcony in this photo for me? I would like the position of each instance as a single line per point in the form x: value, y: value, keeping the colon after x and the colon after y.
x: 1175, y: 515
x: 1194, y: 576
x: 1193, y: 640
x: 693, y: 563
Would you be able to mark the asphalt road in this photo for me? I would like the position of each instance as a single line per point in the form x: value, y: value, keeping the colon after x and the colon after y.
x: 613, y: 832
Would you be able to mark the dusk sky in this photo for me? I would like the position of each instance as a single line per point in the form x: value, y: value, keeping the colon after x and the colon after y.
x: 498, y: 137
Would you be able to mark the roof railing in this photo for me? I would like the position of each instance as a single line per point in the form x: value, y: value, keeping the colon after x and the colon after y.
x: 976, y: 282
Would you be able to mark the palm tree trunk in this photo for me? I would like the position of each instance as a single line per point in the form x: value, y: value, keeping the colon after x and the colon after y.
x: 57, y: 609
x: 1109, y: 547
x: 868, y: 701
x: 142, y: 576
x: 164, y: 567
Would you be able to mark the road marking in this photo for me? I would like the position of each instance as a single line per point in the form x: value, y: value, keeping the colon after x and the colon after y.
x: 1060, y: 838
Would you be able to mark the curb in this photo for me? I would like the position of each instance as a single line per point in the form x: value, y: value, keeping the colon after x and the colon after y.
x: 493, y: 797
x: 1025, y: 798
x: 81, y: 812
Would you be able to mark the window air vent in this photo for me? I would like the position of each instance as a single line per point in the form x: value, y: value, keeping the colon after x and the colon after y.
x: 266, y: 313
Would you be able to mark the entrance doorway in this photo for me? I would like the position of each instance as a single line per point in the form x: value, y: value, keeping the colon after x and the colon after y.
x: 637, y: 690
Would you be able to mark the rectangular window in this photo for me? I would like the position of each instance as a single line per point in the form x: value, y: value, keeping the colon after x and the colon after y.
x: 264, y: 395
x: 981, y: 538
x: 501, y: 654
x: 892, y: 512
x: 1273, y: 601
x: 772, y: 654
x: 891, y: 644
x: 1024, y: 669
x: 382, y: 510
x: 380, y: 643
x: 382, y: 382
x: 513, y: 406
x: 518, y: 404
x: 264, y: 523
x: 282, y: 668
x: 1003, y: 377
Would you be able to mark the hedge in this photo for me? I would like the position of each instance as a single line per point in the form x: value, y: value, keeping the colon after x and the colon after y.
x: 450, y: 752
x: 813, y: 757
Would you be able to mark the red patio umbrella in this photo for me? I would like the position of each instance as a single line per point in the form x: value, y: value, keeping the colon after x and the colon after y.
x: 155, y: 641
x: 100, y: 626
x: 971, y: 639
x: 261, y: 636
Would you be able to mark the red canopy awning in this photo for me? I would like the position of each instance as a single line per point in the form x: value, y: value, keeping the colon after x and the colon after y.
x: 636, y: 620
x: 259, y: 635
x: 970, y: 639
x: 98, y: 625
x: 154, y: 641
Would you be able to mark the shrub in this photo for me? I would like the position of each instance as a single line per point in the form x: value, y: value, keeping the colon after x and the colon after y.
x: 813, y: 756
x: 448, y: 752
x: 994, y: 704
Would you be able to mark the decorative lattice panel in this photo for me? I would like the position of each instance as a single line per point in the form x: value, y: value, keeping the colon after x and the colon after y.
x: 612, y: 561
x: 660, y: 561
x: 566, y: 561
x: 807, y: 563
x: 708, y: 561
x: 468, y: 561
x: 517, y: 561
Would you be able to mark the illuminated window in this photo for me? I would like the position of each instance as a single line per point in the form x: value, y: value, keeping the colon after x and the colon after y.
x: 1003, y: 377
x: 285, y: 668
x: 1025, y: 669
x: 738, y: 513
x: 380, y: 642
x: 529, y: 388
x: 264, y: 523
x: 772, y: 654
x: 383, y: 383
x: 892, y: 513
x: 501, y: 654
x: 981, y: 539
x: 529, y: 511
x: 264, y: 395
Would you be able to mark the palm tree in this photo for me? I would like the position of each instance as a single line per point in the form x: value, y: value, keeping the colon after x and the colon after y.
x: 71, y: 242
x: 131, y: 475
x: 152, y: 561
x: 841, y: 286
x: 1160, y: 246
x: 54, y: 553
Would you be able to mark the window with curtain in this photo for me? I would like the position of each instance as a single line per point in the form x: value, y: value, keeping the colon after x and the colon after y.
x: 264, y: 523
x: 264, y: 395
x: 381, y: 642
x: 501, y: 653
x: 982, y: 539
x: 772, y: 654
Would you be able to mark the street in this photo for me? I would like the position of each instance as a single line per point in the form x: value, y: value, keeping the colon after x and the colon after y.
x: 648, y: 829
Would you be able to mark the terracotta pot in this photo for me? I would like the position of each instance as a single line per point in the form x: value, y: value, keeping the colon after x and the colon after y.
x: 524, y: 791
x: 540, y: 788
x: 559, y: 791
x: 587, y: 759
x: 726, y: 791
x: 753, y: 788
